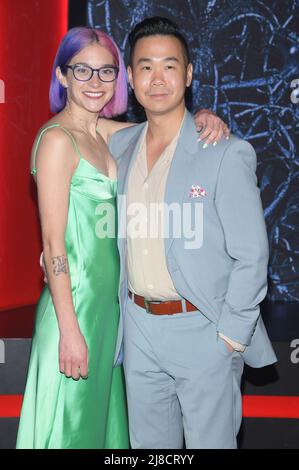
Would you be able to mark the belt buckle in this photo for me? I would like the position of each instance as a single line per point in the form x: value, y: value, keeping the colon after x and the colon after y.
x: 146, y: 303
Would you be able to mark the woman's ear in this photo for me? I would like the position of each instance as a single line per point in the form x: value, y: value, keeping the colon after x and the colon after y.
x: 130, y: 76
x: 61, y: 78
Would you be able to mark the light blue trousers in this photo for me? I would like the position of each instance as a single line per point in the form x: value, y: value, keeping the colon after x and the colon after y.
x: 182, y: 382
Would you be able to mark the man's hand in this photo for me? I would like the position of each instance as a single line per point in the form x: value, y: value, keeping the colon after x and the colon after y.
x: 211, y: 127
x: 43, y: 266
x: 229, y: 346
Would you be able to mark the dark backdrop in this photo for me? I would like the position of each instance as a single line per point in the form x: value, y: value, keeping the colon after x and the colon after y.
x: 245, y: 56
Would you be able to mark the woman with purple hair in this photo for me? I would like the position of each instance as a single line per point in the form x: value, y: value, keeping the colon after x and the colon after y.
x: 74, y: 398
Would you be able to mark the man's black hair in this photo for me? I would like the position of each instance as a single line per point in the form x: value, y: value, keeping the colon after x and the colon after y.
x: 157, y: 25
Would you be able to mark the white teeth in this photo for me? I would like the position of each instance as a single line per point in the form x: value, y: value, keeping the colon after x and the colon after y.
x: 96, y: 95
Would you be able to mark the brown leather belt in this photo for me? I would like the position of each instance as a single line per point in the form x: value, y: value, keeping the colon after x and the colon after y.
x: 157, y: 307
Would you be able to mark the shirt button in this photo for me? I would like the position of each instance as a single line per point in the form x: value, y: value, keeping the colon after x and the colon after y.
x: 145, y: 252
x: 146, y: 185
x: 150, y: 286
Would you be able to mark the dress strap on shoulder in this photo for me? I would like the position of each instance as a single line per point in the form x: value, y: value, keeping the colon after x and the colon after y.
x: 33, y: 170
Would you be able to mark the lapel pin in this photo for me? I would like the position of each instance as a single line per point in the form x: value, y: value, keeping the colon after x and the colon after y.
x: 197, y: 191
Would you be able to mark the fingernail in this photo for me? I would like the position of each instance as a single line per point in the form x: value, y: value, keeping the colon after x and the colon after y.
x: 227, y: 137
x: 205, y: 146
x: 214, y: 144
x: 199, y: 139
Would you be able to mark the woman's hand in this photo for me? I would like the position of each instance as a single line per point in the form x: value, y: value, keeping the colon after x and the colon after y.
x: 210, y: 126
x: 73, y: 354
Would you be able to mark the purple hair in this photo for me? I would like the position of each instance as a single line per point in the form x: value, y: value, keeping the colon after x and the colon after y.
x: 72, y: 43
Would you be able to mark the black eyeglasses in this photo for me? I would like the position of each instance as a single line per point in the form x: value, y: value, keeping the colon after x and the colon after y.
x: 83, y: 73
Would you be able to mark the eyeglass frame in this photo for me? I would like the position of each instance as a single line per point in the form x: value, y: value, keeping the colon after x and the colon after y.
x: 93, y: 71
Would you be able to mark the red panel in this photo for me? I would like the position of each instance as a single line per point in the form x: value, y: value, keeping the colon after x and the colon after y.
x: 17, y: 323
x: 10, y: 406
x: 255, y: 406
x: 30, y: 32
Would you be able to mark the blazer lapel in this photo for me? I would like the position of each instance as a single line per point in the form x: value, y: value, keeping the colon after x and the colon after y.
x: 127, y: 159
x: 124, y: 167
x: 176, y: 185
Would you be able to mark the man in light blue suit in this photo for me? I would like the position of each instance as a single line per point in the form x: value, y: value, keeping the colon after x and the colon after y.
x: 194, y: 254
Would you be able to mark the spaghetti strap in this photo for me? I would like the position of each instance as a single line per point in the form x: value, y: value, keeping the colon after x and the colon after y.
x: 33, y: 170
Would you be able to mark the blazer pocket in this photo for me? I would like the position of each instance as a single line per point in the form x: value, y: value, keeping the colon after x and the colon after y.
x: 222, y: 348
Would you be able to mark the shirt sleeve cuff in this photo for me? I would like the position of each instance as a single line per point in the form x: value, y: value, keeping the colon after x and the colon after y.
x: 237, y: 346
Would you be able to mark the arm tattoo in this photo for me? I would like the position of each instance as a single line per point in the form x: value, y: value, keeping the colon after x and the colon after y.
x: 60, y: 265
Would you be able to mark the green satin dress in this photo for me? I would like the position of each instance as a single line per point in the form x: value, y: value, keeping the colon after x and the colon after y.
x: 59, y: 412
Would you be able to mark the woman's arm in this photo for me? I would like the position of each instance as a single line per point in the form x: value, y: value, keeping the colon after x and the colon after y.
x: 54, y: 172
x: 210, y: 126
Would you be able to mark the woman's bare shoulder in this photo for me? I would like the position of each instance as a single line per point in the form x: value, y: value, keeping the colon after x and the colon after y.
x: 55, y: 142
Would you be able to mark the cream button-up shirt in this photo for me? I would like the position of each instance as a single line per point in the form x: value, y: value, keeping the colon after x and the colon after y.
x: 148, y: 274
x: 146, y: 262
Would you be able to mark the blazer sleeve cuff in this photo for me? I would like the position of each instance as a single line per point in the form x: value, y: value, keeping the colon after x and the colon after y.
x: 238, y: 325
x: 237, y: 346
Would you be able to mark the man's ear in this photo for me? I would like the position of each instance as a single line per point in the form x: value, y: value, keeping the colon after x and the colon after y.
x: 61, y: 78
x: 189, y: 75
x: 130, y: 76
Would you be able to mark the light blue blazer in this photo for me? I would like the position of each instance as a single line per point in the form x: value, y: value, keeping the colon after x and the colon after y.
x: 226, y: 277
